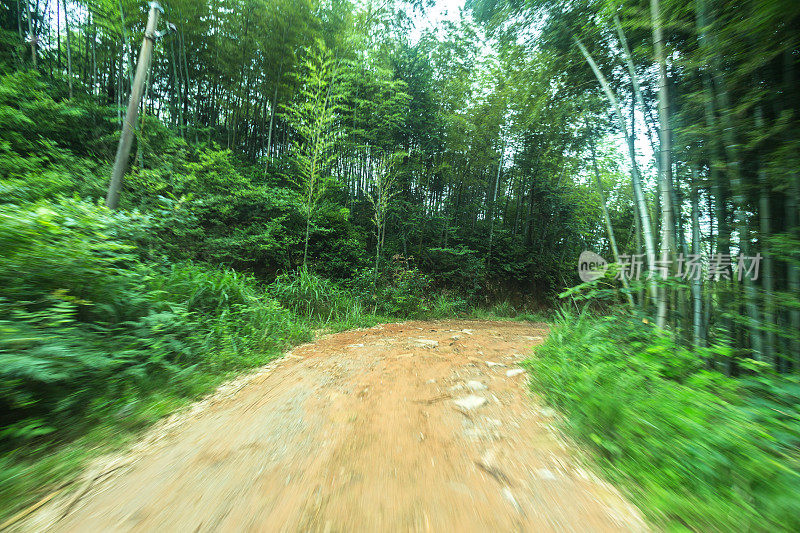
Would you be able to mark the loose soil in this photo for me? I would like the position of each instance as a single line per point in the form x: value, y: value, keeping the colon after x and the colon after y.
x: 419, y: 426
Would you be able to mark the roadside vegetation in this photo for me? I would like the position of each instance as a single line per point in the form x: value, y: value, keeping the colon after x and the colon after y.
x: 694, y: 448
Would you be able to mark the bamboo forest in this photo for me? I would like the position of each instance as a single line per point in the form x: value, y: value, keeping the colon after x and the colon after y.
x: 400, y: 265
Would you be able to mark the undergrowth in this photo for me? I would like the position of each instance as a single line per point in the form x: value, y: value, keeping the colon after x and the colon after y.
x: 365, y: 301
x: 694, y: 448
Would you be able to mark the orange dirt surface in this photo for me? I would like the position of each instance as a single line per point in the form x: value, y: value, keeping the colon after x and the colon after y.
x: 419, y: 426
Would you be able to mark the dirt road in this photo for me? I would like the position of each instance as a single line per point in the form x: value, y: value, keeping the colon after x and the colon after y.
x: 421, y: 426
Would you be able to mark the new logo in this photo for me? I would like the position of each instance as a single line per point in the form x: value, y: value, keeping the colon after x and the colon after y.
x: 591, y: 266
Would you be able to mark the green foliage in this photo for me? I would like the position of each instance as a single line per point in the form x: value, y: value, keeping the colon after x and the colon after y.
x: 695, y: 448
x: 318, y: 299
x: 43, y: 141
x: 403, y: 294
x: 73, y: 251
x: 446, y: 306
x: 206, y: 209
x: 312, y: 117
x: 403, y: 291
x: 87, y: 324
x: 263, y: 147
x: 459, y: 269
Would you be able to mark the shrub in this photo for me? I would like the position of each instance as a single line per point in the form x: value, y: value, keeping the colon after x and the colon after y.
x: 87, y: 326
x: 445, y: 305
x: 460, y: 269
x: 403, y: 291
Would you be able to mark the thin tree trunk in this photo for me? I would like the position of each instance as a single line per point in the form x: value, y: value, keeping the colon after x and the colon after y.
x: 186, y: 92
x: 637, y: 91
x: 768, y: 347
x: 58, y: 33
x: 305, y: 246
x: 128, y: 125
x: 177, y: 115
x: 32, y: 35
x: 120, y: 84
x: 793, y: 271
x: 665, y: 166
x: 494, y: 201
x: 69, y: 48
x: 272, y: 115
x: 19, y: 21
x: 698, y: 334
x: 94, y: 60
x: 639, y: 238
x: 140, y: 128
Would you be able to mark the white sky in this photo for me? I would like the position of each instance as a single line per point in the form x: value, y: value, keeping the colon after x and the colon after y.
x: 441, y: 11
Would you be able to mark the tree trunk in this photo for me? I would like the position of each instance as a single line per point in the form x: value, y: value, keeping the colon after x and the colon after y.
x: 494, y: 201
x: 305, y: 245
x: 32, y: 34
x: 698, y: 334
x: 128, y: 125
x: 58, y: 33
x: 19, y: 21
x: 637, y: 91
x: 272, y: 117
x: 69, y: 49
x: 94, y: 58
x: 665, y: 158
x: 768, y: 347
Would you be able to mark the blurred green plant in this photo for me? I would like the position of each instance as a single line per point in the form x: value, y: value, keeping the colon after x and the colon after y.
x: 320, y: 300
x: 86, y: 324
x: 695, y: 448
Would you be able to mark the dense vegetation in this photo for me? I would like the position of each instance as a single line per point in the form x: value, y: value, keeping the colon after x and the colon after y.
x: 703, y: 95
x: 696, y: 448
x: 302, y: 164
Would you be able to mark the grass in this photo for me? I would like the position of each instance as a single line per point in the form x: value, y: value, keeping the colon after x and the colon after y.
x: 694, y: 449
x: 31, y: 472
x: 505, y: 311
x: 73, y: 390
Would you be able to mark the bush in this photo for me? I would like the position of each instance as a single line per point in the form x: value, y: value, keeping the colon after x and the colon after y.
x: 402, y: 291
x: 404, y: 294
x: 445, y: 305
x: 238, y: 321
x: 87, y: 326
x: 44, y: 142
x: 461, y: 270
x: 696, y: 448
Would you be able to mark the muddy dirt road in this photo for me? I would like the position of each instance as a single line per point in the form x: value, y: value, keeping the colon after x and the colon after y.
x: 421, y: 426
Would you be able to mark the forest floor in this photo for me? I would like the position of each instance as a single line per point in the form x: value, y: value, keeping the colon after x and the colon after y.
x: 419, y: 426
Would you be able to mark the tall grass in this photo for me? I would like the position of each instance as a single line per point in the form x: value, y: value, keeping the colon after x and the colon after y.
x: 695, y: 448
x: 320, y: 301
